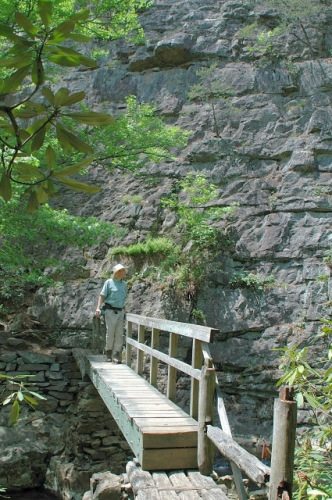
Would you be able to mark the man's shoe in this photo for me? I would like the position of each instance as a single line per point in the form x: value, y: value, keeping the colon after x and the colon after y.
x: 109, y: 356
x: 116, y: 358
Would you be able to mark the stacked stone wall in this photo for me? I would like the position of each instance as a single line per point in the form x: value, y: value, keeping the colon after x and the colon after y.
x: 69, y: 436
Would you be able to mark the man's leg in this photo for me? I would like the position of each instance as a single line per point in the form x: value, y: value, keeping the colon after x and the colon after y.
x: 110, y: 320
x: 118, y: 338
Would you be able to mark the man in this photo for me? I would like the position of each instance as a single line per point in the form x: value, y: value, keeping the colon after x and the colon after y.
x: 113, y: 299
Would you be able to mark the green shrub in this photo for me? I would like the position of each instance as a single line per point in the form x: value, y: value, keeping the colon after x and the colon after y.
x: 313, y: 391
x: 252, y: 280
x: 21, y: 266
x: 328, y: 257
x: 149, y: 247
x: 196, y: 206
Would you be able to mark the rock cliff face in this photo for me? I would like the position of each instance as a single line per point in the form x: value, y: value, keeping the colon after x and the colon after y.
x: 269, y: 148
x: 272, y: 155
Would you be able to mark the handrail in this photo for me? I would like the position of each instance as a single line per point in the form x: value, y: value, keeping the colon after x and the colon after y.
x: 165, y: 358
x: 199, y: 332
x: 200, y: 336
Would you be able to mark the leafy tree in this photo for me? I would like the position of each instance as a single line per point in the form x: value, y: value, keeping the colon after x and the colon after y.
x: 291, y: 17
x: 108, y: 19
x: 137, y: 137
x: 195, y: 205
x: 312, y: 384
x: 21, y: 266
x: 43, y: 141
x: 25, y: 123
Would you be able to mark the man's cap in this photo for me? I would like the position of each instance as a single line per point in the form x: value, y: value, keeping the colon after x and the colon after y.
x: 117, y: 268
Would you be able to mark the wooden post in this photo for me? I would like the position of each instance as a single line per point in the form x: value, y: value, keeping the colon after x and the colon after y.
x: 128, y: 346
x: 283, y: 445
x: 205, y: 447
x: 237, y: 475
x: 98, y: 335
x: 194, y: 389
x: 140, y: 354
x: 154, y: 361
x: 171, y: 382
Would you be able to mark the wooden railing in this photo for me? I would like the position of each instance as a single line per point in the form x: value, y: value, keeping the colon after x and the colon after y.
x: 200, y: 336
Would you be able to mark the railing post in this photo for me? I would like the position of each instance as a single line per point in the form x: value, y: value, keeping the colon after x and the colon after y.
x: 283, y: 445
x: 140, y: 354
x: 194, y: 389
x: 129, y: 335
x: 171, y: 381
x: 205, y: 447
x: 154, y: 361
x: 98, y: 335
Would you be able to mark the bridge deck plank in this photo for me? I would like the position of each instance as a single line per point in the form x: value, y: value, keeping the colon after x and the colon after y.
x: 175, y: 485
x: 148, y: 419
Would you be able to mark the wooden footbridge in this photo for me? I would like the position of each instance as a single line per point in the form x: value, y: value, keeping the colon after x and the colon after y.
x: 161, y: 435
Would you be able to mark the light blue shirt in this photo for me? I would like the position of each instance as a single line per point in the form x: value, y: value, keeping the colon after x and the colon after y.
x: 115, y: 292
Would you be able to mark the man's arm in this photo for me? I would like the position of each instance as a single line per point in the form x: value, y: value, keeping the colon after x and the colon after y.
x: 101, y: 300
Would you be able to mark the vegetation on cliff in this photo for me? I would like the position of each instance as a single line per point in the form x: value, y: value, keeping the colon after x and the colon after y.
x: 312, y: 382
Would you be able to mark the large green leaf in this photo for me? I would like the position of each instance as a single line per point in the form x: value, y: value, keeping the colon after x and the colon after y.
x: 92, y: 118
x: 74, y: 169
x: 25, y: 23
x: 28, y: 171
x: 45, y: 11
x: 70, y: 141
x: 42, y: 195
x: 71, y: 57
x: 30, y: 400
x: 51, y: 189
x: 78, y: 186
x: 38, y: 73
x: 62, y: 138
x: 47, y: 92
x: 32, y: 203
x: 50, y: 157
x: 25, y: 113
x: 21, y: 47
x: 9, y: 33
x: 40, y: 108
x: 37, y: 395
x: 4, y: 124
x: 5, y: 187
x: 37, y: 125
x: 15, y: 412
x: 73, y: 99
x: 61, y: 32
x: 16, y: 62
x: 12, y: 82
x: 60, y: 96
x: 71, y: 61
x: 38, y: 140
x: 24, y: 135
